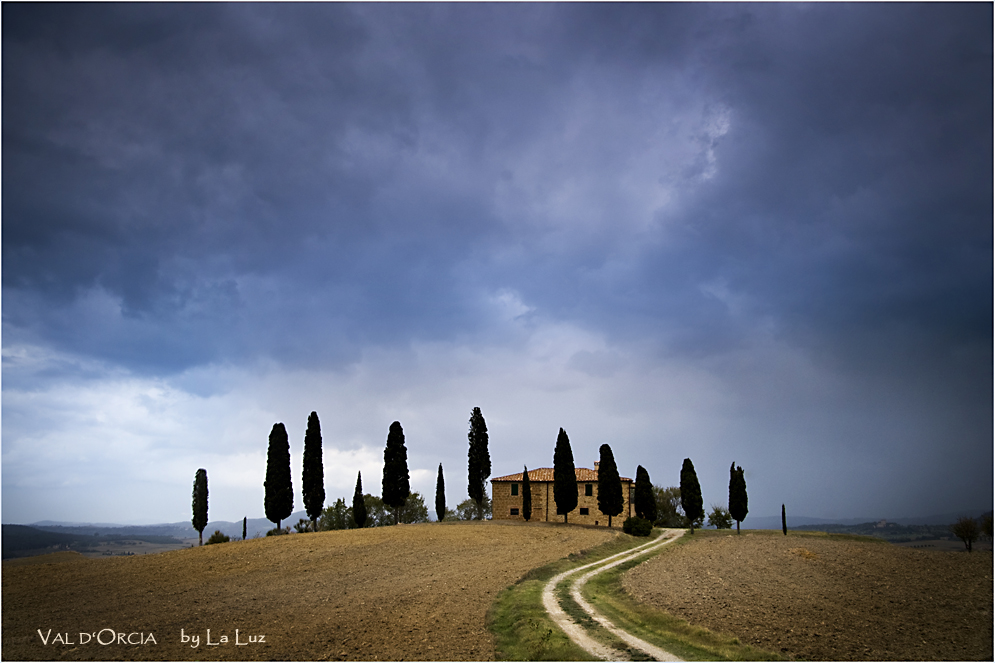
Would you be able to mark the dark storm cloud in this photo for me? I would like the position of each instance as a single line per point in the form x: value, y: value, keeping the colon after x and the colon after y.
x: 247, y: 180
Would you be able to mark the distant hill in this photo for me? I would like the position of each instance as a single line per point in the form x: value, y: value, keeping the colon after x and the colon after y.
x: 805, y: 522
x: 180, y: 530
x: 24, y: 540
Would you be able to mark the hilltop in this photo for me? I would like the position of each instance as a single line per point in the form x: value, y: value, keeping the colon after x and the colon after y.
x: 390, y: 593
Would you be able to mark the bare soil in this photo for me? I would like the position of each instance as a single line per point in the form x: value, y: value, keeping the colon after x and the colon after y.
x: 409, y: 592
x: 813, y: 597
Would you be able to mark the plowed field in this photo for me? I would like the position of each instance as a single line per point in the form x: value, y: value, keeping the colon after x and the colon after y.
x: 410, y: 592
x: 818, y: 598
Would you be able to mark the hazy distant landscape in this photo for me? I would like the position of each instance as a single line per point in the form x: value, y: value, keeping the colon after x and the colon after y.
x: 108, y: 539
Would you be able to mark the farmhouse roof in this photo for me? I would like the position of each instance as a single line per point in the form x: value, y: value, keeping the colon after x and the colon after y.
x: 546, y: 474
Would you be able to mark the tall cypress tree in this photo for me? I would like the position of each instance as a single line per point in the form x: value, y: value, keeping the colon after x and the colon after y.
x: 440, y: 496
x: 784, y: 521
x: 245, y: 521
x: 313, y: 480
x: 279, y: 500
x: 358, y: 503
x: 690, y: 493
x: 564, y: 476
x: 610, y: 500
x: 738, y: 503
x: 478, y: 460
x: 644, y: 498
x: 395, y: 471
x: 200, y: 504
x: 526, y: 495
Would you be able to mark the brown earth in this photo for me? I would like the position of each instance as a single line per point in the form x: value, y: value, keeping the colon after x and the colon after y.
x: 814, y: 597
x: 410, y: 592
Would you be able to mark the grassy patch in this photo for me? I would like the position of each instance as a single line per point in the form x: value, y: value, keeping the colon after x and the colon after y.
x: 522, y: 629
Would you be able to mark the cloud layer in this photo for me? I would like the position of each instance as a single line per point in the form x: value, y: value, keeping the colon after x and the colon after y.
x: 725, y: 232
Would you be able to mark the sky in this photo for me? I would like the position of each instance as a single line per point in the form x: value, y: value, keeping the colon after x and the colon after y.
x: 750, y: 233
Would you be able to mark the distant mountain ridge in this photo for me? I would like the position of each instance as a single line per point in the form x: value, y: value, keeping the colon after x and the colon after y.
x: 179, y: 530
x: 774, y: 522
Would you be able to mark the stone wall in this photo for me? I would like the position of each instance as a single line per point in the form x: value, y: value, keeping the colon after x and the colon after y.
x: 503, y: 502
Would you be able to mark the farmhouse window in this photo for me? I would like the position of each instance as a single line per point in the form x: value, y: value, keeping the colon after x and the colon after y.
x: 514, y: 512
x: 583, y: 511
x: 589, y: 490
x: 514, y: 489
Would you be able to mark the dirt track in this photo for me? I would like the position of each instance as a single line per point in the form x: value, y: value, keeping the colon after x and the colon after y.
x: 413, y: 592
x: 815, y: 598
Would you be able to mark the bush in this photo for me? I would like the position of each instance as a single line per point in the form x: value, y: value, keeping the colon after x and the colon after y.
x: 217, y: 537
x: 277, y: 531
x: 720, y: 518
x: 637, y: 526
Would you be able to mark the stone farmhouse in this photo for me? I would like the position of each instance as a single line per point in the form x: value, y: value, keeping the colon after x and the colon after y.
x: 506, y: 498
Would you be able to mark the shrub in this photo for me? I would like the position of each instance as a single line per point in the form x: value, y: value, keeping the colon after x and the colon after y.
x: 278, y: 531
x: 218, y: 537
x: 637, y: 526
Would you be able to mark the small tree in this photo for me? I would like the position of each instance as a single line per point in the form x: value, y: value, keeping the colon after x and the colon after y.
x: 645, y: 502
x: 690, y: 493
x: 414, y: 509
x: 440, y: 496
x: 966, y: 529
x: 358, y: 503
x: 313, y: 479
x: 526, y: 495
x: 738, y: 503
x: 668, y: 507
x: 218, y: 537
x: 478, y: 459
x: 610, y: 499
x: 720, y: 518
x: 200, y: 504
x: 986, y: 525
x: 279, y: 492
x: 335, y: 517
x: 468, y: 510
x: 564, y: 476
x: 395, y: 471
x: 784, y: 521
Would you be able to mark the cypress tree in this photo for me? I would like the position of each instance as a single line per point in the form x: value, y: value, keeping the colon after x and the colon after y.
x: 313, y: 480
x: 440, y: 496
x: 200, y: 504
x: 564, y: 476
x: 279, y: 500
x: 395, y: 471
x: 738, y: 503
x: 784, y: 522
x: 690, y: 493
x: 358, y: 503
x: 644, y: 498
x: 609, y: 484
x: 245, y: 521
x: 526, y: 496
x: 478, y: 460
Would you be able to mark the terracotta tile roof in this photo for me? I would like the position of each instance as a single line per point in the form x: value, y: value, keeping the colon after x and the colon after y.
x: 546, y: 474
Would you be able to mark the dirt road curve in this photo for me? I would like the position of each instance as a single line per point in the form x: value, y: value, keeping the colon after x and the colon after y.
x: 578, y: 633
x: 413, y: 592
x: 820, y: 599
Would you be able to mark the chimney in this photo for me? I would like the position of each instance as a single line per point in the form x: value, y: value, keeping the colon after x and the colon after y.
x: 596, y: 463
